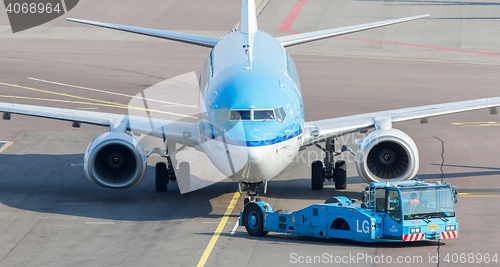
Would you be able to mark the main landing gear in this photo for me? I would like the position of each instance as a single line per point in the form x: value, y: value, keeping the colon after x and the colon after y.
x: 331, y: 171
x: 164, y: 173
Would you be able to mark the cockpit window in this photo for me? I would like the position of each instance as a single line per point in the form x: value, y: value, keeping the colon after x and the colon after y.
x: 225, y: 114
x: 263, y: 114
x: 280, y: 114
x: 237, y: 115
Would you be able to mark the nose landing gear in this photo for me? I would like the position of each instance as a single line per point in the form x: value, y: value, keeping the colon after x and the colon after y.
x: 252, y: 193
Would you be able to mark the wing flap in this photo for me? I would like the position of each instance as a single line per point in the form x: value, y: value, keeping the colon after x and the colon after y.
x: 317, y: 131
x: 300, y: 38
x: 199, y: 40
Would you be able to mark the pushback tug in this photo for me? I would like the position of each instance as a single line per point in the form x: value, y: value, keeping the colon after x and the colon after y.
x: 390, y: 212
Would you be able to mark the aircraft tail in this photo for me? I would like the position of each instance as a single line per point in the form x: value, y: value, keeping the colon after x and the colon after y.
x: 248, y: 19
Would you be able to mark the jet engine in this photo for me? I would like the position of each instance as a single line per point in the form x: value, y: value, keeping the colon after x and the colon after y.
x: 387, y: 155
x: 115, y: 160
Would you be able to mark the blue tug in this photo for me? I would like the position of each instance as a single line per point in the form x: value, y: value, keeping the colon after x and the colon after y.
x: 390, y: 212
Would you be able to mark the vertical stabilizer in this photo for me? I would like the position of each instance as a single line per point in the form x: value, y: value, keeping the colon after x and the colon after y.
x: 248, y: 19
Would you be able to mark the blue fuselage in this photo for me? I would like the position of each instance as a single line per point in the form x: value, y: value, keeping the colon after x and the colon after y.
x: 251, y: 108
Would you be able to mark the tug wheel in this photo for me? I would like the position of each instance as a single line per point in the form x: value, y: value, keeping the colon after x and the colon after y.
x: 253, y: 219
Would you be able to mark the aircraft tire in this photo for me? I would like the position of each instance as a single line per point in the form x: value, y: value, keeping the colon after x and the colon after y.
x: 340, y: 175
x: 253, y: 220
x: 161, y: 180
x: 317, y: 177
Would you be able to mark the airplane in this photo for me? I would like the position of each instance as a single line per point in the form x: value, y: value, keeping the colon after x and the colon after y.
x: 251, y: 102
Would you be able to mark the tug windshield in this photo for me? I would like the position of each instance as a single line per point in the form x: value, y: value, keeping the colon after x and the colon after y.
x: 427, y: 202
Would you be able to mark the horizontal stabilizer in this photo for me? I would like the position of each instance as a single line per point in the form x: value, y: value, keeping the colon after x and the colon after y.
x: 200, y: 40
x: 301, y: 38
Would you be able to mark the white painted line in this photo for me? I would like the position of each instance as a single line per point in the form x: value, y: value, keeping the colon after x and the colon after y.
x: 234, y: 228
x: 112, y: 93
x: 99, y: 222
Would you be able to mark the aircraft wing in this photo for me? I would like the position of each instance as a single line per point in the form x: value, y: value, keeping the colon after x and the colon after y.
x: 200, y: 40
x: 300, y: 38
x: 180, y: 132
x: 317, y: 131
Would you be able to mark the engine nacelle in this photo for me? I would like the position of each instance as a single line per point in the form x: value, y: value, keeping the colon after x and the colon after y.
x: 387, y: 155
x: 115, y: 160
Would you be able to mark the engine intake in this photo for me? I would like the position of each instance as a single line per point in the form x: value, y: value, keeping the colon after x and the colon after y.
x: 387, y: 155
x: 115, y: 160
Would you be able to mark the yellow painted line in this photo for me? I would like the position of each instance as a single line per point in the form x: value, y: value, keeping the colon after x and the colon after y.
x: 92, y: 104
x: 62, y: 94
x: 59, y: 100
x: 112, y: 104
x: 478, y: 194
x: 477, y: 123
x: 218, y: 231
x: 4, y: 147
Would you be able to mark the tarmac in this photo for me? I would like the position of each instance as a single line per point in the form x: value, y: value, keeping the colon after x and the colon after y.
x: 51, y: 215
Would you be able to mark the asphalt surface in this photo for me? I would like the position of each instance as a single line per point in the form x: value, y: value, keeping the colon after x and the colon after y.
x: 51, y: 215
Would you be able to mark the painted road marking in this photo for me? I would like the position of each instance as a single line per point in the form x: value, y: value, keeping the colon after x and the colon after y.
x: 103, y: 103
x: 234, y: 228
x: 479, y: 194
x: 113, y: 93
x: 478, y: 123
x: 62, y: 101
x: 218, y: 231
x: 290, y: 19
x: 4, y: 145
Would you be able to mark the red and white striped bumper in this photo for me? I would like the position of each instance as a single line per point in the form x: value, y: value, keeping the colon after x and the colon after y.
x: 447, y: 235
x: 413, y: 237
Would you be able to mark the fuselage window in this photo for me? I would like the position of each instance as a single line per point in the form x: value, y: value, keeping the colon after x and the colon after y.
x: 263, y: 114
x: 237, y: 115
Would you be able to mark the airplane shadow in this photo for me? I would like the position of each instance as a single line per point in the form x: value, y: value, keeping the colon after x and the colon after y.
x: 480, y: 171
x: 57, y: 184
